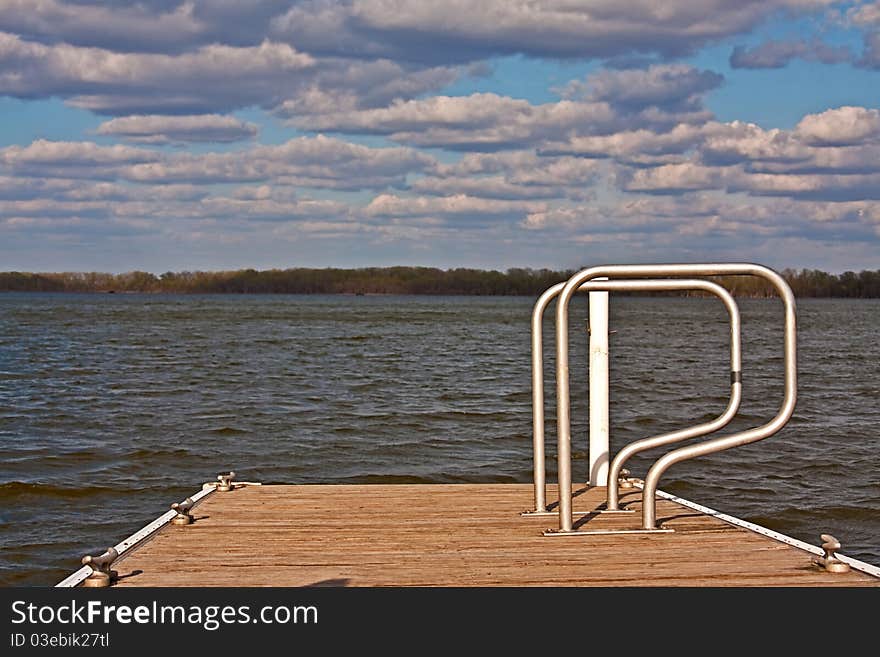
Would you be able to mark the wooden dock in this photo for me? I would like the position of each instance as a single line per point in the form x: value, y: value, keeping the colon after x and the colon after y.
x: 455, y: 535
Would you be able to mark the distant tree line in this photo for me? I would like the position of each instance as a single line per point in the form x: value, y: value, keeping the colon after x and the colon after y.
x: 399, y: 280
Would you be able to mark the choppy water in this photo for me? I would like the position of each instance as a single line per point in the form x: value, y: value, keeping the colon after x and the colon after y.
x: 114, y: 406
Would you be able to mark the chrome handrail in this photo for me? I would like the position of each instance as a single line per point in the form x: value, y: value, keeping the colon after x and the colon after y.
x: 633, y: 448
x: 538, y: 435
x: 539, y: 466
x: 563, y: 408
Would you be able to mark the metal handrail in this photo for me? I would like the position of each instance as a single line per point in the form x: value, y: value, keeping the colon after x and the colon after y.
x: 633, y: 448
x: 538, y: 436
x: 539, y: 467
x: 563, y: 408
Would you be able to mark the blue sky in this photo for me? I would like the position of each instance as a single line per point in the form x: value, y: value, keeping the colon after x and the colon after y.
x: 208, y: 134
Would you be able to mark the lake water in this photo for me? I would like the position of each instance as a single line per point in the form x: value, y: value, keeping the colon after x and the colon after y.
x: 114, y: 406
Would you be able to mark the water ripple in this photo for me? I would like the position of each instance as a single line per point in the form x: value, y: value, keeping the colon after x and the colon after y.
x: 113, y: 406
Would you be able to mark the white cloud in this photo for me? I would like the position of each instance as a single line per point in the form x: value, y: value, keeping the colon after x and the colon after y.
x: 676, y: 87
x: 216, y: 56
x: 871, y: 55
x: 523, y: 175
x: 838, y: 141
x: 866, y: 14
x: 565, y: 171
x: 219, y: 207
x: 555, y: 28
x: 456, y: 206
x: 307, y: 161
x: 850, y: 187
x: 637, y: 146
x: 138, y: 26
x: 840, y: 126
x: 670, y: 178
x: 570, y: 219
x: 737, y: 157
x: 706, y: 223
x: 483, y: 163
x: 213, y: 77
x: 54, y: 209
x: 337, y: 84
x: 738, y: 142
x: 776, y: 54
x: 488, y: 121
x: 177, y: 129
x: 374, y: 29
x: 23, y: 188
x: 64, y: 159
x: 495, y: 187
x: 153, y: 212
x: 407, y: 119
x: 658, y: 98
x: 169, y: 26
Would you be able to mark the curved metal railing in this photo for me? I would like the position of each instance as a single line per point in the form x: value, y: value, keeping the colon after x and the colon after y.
x: 563, y: 408
x: 538, y: 434
x: 633, y: 448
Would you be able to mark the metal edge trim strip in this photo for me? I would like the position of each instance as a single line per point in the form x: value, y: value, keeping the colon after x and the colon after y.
x: 813, y: 549
x: 140, y: 535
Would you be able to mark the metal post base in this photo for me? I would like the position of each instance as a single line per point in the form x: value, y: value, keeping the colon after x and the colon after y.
x: 595, y: 532
x: 100, y: 580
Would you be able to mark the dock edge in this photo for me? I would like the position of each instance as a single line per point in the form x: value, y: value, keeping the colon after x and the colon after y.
x: 862, y: 566
x: 76, y: 578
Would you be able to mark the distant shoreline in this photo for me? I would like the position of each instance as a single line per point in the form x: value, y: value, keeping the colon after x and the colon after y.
x: 399, y: 280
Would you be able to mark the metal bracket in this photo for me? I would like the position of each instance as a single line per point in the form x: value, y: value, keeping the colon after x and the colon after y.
x: 587, y: 328
x: 183, y: 516
x: 101, y: 574
x: 830, y: 562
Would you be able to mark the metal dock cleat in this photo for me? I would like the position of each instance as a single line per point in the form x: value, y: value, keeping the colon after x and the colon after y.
x: 830, y: 561
x: 101, y: 574
x: 225, y: 482
x: 183, y: 516
x: 625, y: 481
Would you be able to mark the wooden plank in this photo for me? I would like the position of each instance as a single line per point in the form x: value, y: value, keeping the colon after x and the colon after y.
x: 453, y: 535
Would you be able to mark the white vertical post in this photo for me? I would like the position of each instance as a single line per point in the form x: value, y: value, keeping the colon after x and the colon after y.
x: 599, y: 389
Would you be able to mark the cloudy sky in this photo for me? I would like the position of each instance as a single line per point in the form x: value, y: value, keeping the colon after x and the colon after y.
x: 223, y: 134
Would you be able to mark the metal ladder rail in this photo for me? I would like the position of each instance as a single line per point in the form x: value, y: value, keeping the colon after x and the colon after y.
x: 539, y: 466
x: 563, y: 410
x: 538, y: 436
x: 783, y: 415
x: 633, y: 448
